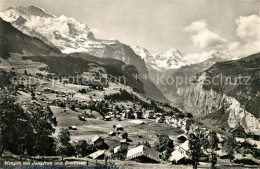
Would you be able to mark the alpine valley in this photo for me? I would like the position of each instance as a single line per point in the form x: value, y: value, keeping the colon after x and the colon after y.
x: 49, y: 39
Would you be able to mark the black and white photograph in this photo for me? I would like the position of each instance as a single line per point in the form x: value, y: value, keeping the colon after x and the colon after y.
x: 122, y: 84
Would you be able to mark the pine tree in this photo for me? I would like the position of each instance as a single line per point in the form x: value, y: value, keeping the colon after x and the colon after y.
x: 195, y: 149
x: 230, y: 145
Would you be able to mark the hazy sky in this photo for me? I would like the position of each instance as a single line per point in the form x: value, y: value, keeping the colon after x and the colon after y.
x: 154, y: 24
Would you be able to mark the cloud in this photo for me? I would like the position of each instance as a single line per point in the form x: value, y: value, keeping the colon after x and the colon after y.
x: 248, y: 30
x: 208, y: 39
x: 204, y: 38
x: 196, y: 26
x: 194, y: 58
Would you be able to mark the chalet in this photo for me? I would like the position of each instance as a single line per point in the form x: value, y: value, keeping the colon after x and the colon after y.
x: 246, y: 143
x: 183, y: 148
x: 138, y: 115
x: 157, y: 115
x: 123, y: 135
x: 82, y: 118
x: 123, y: 142
x: 180, y: 123
x: 159, y: 120
x: 180, y: 116
x: 118, y: 117
x: 107, y: 118
x: 143, y: 154
x: 129, y: 114
x: 97, y: 141
x: 168, y: 119
x: 222, y: 154
x: 116, y: 149
x: 238, y: 131
x: 220, y: 138
x: 73, y: 127
x: 118, y: 127
x: 178, y: 158
x: 253, y: 136
x: 110, y: 113
x: 111, y: 133
x: 189, y: 115
x: 256, y: 146
x: 181, y: 154
x: 47, y: 90
x: 173, y: 122
x: 100, y: 154
x: 148, y: 114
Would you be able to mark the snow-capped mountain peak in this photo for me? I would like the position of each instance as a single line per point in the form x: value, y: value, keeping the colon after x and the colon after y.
x: 171, y: 54
x: 66, y: 33
x: 172, y: 51
x: 31, y: 10
x: 144, y: 53
x: 170, y: 59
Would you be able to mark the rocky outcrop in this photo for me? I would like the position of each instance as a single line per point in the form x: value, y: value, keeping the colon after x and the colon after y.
x: 200, y: 101
x: 203, y: 102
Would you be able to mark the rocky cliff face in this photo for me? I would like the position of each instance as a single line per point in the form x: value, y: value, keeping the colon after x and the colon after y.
x: 230, y: 103
x: 198, y: 100
x: 208, y: 103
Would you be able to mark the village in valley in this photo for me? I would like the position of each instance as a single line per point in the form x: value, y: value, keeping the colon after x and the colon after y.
x: 113, y: 125
x: 72, y: 96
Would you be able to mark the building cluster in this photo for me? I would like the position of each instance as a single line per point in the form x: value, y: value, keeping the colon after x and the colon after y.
x: 183, y: 121
x: 141, y: 153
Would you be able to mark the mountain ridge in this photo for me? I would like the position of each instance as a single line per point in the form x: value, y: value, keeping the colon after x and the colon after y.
x: 17, y: 42
x: 238, y: 99
x: 71, y: 36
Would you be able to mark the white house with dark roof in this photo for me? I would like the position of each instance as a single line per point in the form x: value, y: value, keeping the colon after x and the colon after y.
x: 118, y: 127
x: 180, y: 154
x: 177, y: 157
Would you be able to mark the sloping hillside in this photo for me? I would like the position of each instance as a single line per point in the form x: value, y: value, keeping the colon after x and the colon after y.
x: 14, y: 41
x: 72, y: 66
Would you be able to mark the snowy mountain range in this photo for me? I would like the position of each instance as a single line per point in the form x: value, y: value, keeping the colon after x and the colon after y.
x: 65, y: 33
x: 71, y: 36
x: 170, y: 59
